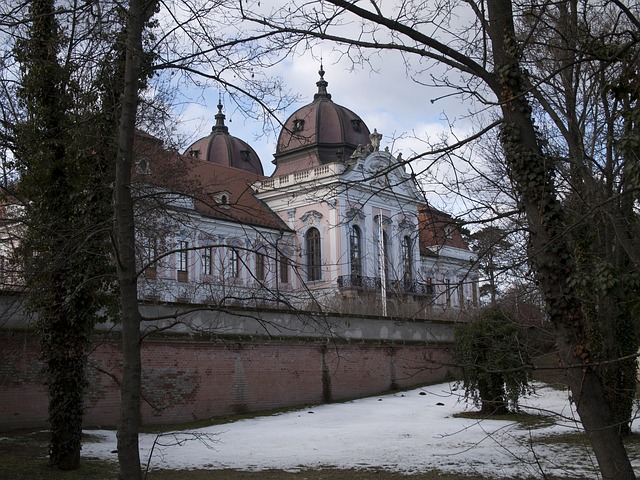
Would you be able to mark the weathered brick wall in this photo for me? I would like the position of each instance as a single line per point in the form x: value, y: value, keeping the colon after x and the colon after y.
x: 186, y: 379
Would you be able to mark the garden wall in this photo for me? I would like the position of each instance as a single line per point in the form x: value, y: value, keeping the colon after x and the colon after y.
x: 203, y: 363
x: 186, y: 379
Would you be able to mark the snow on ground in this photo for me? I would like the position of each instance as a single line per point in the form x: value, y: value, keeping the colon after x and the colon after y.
x: 406, y: 432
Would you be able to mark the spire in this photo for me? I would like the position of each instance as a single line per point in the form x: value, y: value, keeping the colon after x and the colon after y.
x: 220, y: 126
x: 322, y: 85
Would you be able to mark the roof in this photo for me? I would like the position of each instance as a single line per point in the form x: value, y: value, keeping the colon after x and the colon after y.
x: 438, y: 229
x: 224, y: 149
x: 218, y: 191
x: 318, y: 133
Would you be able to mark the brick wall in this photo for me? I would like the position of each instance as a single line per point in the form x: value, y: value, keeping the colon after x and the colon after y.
x: 185, y: 379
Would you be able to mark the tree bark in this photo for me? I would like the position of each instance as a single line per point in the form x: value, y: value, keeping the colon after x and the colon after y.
x: 129, y: 423
x: 551, y: 254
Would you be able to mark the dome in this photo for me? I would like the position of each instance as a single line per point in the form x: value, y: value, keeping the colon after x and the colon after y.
x: 319, y: 133
x: 224, y: 149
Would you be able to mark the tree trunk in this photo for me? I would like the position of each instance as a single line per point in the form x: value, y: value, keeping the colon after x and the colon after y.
x: 492, y: 395
x: 550, y: 254
x: 128, y: 428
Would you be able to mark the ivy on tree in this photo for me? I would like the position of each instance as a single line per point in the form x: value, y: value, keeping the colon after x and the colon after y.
x: 490, y: 354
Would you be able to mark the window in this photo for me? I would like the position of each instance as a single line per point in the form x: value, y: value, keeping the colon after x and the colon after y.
x: 142, y: 166
x: 474, y: 292
x: 260, y: 271
x: 356, y: 251
x: 448, y: 291
x: 384, y: 260
x: 314, y: 255
x: 207, y: 261
x: 183, y: 260
x: 298, y: 125
x: 149, y: 253
x: 284, y: 269
x: 234, y: 264
x: 183, y: 255
x: 407, y: 261
x: 429, y: 288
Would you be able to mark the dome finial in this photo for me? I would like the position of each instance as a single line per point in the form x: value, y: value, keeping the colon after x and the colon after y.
x: 220, y: 126
x: 322, y: 85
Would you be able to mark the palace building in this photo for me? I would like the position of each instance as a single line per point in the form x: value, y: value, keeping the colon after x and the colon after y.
x: 339, y: 226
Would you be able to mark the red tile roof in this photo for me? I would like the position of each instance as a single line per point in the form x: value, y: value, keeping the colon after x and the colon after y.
x: 438, y: 229
x: 205, y: 182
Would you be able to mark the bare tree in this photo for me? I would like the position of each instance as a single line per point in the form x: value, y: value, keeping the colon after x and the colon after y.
x: 489, y: 53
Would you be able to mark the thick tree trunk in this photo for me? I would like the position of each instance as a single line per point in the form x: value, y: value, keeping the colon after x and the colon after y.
x: 551, y: 255
x: 128, y: 428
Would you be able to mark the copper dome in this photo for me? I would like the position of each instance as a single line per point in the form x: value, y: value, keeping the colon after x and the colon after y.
x: 319, y: 133
x: 224, y: 149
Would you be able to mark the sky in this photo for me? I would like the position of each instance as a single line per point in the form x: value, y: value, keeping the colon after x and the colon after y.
x: 406, y: 432
x: 385, y: 99
x: 379, y: 90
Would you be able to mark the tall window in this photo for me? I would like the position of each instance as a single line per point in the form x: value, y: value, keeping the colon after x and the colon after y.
x: 207, y: 261
x: 356, y: 251
x: 234, y: 263
x: 384, y: 261
x: 407, y: 261
x: 149, y: 253
x: 183, y: 255
x: 314, y: 255
x: 260, y: 270
x: 183, y: 260
x: 283, y: 260
x: 474, y: 293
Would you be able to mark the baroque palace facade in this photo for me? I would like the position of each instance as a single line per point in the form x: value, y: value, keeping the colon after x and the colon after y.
x: 339, y: 226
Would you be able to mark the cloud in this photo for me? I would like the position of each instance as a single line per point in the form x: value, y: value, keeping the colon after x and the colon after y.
x: 386, y: 99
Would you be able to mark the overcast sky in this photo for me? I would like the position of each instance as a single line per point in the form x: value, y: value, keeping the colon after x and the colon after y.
x: 386, y: 100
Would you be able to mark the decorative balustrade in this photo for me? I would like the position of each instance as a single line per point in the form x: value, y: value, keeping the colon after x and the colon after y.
x: 360, y: 282
x: 302, y: 176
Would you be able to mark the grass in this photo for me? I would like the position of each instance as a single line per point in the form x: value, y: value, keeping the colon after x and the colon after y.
x: 525, y: 421
x: 23, y: 456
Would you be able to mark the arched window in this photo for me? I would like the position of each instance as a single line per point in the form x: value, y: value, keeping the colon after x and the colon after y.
x: 356, y: 251
x: 407, y: 261
x: 314, y: 255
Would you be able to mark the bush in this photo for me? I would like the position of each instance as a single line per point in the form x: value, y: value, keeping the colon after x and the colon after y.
x: 495, y: 366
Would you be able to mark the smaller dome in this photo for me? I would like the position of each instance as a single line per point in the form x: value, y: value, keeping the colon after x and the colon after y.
x: 224, y: 149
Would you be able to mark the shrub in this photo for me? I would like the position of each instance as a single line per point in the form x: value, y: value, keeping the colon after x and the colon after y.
x: 495, y: 366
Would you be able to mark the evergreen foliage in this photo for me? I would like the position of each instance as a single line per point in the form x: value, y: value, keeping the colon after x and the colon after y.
x: 65, y: 190
x: 493, y: 361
